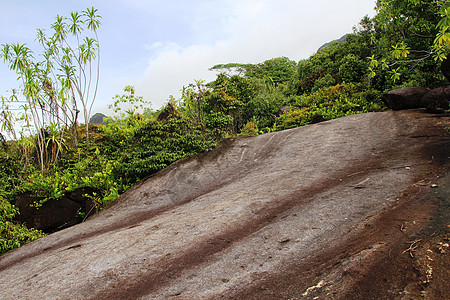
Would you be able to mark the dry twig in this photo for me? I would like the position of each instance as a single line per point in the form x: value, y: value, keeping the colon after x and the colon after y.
x: 412, y: 247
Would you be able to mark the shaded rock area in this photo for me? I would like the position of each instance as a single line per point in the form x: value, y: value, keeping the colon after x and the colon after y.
x: 325, y: 211
x: 435, y: 100
x: 445, y: 68
x: 55, y: 214
x: 317, y: 119
x: 404, y: 98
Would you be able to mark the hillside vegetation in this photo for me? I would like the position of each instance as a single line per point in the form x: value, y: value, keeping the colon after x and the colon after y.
x: 52, y: 156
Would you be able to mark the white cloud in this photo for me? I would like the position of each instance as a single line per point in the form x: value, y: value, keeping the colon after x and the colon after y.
x: 250, y: 32
x: 153, y: 46
x: 172, y: 68
x: 160, y: 45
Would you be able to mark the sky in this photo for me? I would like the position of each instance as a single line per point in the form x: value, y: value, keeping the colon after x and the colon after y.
x: 159, y: 46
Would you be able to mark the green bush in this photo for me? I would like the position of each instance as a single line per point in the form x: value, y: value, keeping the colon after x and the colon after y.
x: 322, y: 82
x: 13, y: 235
x: 157, y: 144
x: 9, y: 169
x: 250, y: 129
x: 294, y: 118
x: 95, y: 171
x: 218, y: 124
x: 331, y: 103
x: 263, y: 108
x: 352, y: 68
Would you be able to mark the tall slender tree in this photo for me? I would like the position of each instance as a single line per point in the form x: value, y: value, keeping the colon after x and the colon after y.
x: 66, y: 78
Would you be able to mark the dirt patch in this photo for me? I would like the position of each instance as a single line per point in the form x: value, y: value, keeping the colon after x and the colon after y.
x: 344, y: 209
x: 378, y: 262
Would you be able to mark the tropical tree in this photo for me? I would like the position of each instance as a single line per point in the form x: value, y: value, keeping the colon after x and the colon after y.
x: 279, y: 70
x: 192, y: 100
x: 410, y: 34
x: 55, y: 86
x: 127, y: 104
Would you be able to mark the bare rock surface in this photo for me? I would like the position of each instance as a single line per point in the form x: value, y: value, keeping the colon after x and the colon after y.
x: 324, y: 210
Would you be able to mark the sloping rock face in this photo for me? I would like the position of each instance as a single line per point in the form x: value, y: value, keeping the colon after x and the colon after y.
x: 302, y: 213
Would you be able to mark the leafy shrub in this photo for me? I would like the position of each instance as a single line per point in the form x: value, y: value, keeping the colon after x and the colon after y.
x: 322, y: 82
x: 250, y: 129
x: 157, y: 144
x: 352, y: 68
x: 331, y: 103
x: 95, y: 171
x: 293, y: 118
x: 13, y: 235
x: 263, y: 108
x: 9, y: 168
x: 218, y: 124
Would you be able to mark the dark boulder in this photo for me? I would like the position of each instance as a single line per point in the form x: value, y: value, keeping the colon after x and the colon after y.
x: 445, y: 68
x: 87, y: 204
x: 436, y: 100
x: 404, y: 98
x: 55, y: 214
x: 317, y: 119
x: 52, y: 215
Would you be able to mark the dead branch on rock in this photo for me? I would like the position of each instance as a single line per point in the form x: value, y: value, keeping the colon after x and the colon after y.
x: 412, y: 247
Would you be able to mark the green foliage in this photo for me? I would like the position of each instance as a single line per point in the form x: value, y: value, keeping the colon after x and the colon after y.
x: 322, y: 82
x: 330, y: 103
x: 400, y: 51
x: 192, y: 101
x: 352, y: 68
x: 263, y: 108
x: 13, y: 235
x: 294, y: 118
x: 250, y: 129
x: 99, y: 173
x: 235, y: 87
x: 221, y: 110
x: 53, y: 88
x: 102, y: 175
x: 127, y: 104
x: 279, y: 70
x: 158, y: 143
x: 231, y: 69
x: 407, y: 34
x: 9, y: 173
x: 218, y: 124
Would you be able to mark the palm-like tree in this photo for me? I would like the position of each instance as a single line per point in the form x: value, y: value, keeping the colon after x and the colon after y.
x: 68, y: 73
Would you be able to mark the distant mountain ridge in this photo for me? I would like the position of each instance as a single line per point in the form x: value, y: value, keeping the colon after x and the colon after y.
x: 97, y: 118
x: 340, y: 40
